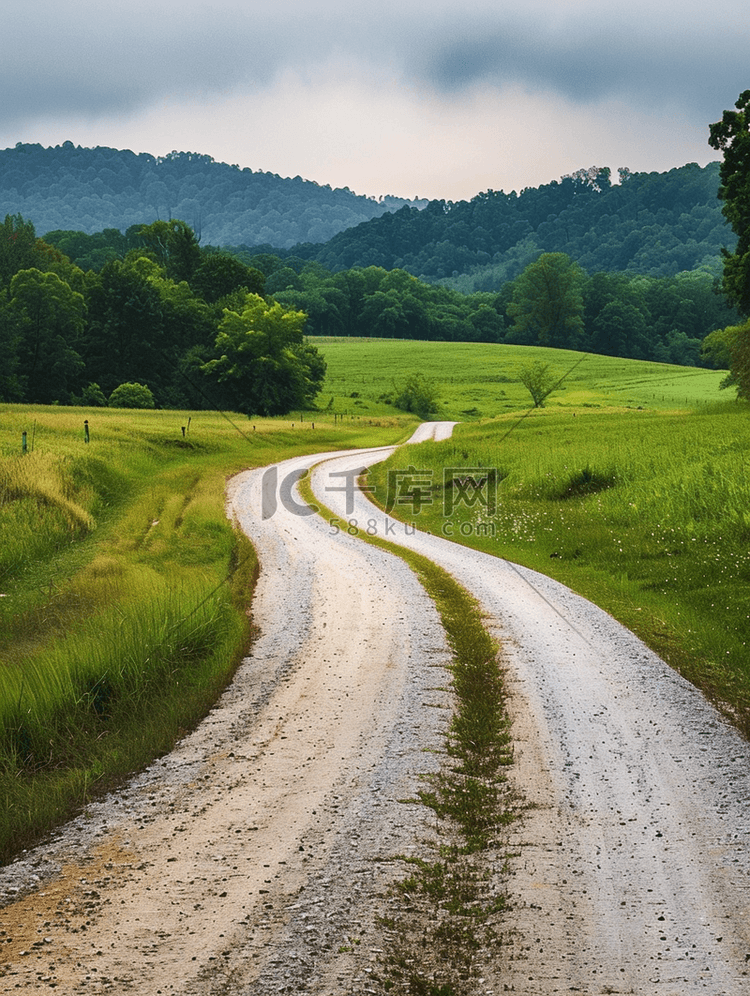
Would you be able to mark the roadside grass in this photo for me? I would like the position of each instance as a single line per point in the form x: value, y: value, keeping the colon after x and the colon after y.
x: 645, y: 513
x: 444, y: 915
x: 124, y: 589
x: 480, y: 380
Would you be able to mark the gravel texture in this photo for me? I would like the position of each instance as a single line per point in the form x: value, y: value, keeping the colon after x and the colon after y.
x: 255, y: 857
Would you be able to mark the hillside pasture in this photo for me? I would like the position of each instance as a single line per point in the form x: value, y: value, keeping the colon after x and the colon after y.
x: 480, y: 380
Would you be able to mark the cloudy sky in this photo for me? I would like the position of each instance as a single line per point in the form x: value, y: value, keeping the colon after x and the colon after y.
x: 412, y: 98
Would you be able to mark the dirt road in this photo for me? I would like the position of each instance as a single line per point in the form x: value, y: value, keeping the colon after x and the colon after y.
x: 246, y: 861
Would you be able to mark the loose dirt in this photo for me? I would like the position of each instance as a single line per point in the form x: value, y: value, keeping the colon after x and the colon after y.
x: 256, y: 856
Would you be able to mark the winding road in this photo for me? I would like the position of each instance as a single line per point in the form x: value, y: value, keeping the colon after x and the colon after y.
x: 251, y: 859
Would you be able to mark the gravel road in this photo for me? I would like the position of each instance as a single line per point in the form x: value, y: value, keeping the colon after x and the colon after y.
x: 253, y: 859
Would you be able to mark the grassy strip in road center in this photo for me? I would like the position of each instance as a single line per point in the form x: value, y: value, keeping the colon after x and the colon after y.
x: 443, y: 916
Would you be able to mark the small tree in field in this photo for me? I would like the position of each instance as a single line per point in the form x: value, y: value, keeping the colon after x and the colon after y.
x: 417, y: 394
x: 538, y: 380
x: 131, y: 396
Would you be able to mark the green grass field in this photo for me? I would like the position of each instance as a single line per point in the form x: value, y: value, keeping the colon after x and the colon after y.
x: 644, y: 509
x: 124, y: 591
x: 480, y: 380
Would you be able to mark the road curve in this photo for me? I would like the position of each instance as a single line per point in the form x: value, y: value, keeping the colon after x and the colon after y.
x: 246, y: 860
x: 633, y: 873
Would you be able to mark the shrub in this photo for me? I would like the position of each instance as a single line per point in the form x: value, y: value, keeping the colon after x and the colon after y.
x: 132, y: 396
x: 417, y: 394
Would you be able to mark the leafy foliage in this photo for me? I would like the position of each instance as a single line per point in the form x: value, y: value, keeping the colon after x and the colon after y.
x: 264, y: 365
x: 538, y: 380
x: 418, y: 394
x: 381, y: 303
x: 732, y: 136
x: 658, y: 224
x: 547, y: 304
x: 131, y: 396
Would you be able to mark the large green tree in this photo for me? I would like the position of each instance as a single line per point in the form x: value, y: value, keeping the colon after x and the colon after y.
x: 265, y: 366
x: 547, y: 304
x: 50, y: 318
x: 173, y: 245
x: 125, y: 338
x: 731, y: 136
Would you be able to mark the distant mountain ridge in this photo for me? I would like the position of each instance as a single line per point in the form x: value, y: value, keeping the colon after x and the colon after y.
x: 89, y: 190
x: 656, y: 224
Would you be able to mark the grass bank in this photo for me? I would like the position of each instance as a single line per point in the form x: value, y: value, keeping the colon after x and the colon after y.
x: 645, y: 513
x: 124, y: 590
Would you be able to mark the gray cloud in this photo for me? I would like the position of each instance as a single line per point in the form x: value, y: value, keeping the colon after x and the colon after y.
x: 94, y: 60
x: 588, y: 62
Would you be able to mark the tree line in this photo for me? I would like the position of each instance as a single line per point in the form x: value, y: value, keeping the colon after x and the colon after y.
x: 204, y: 328
x: 193, y: 326
x: 620, y: 314
x: 553, y: 302
x: 68, y: 187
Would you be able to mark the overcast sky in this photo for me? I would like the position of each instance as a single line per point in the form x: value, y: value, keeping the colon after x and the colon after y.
x: 412, y: 98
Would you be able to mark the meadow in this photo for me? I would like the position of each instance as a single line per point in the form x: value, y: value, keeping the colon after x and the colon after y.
x: 124, y: 590
x: 480, y: 380
x: 631, y: 485
x: 125, y: 593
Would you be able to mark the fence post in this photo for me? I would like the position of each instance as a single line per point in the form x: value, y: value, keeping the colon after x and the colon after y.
x: 86, y: 430
x: 24, y: 445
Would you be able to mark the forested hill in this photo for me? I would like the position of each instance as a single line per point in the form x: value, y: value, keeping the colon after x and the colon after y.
x: 73, y: 188
x: 657, y: 224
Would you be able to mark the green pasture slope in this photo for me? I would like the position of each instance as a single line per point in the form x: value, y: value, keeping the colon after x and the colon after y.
x: 124, y: 591
x: 632, y: 486
x: 480, y: 380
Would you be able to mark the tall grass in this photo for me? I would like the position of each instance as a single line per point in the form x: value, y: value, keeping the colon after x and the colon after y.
x: 125, y: 591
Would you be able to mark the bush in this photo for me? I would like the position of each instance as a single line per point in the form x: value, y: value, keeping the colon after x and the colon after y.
x: 417, y: 394
x: 93, y: 396
x: 131, y: 396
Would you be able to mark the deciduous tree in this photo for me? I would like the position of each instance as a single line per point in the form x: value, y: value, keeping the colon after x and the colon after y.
x: 50, y: 320
x: 264, y: 366
x: 731, y: 135
x: 538, y: 380
x: 547, y: 305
